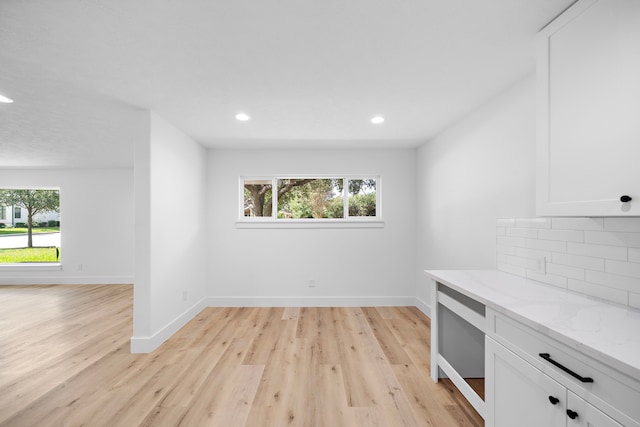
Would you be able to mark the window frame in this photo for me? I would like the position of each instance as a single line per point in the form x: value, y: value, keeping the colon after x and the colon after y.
x: 35, y: 266
x: 274, y: 222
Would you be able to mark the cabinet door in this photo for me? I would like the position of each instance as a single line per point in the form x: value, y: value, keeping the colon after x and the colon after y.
x: 589, y: 110
x: 517, y: 394
x: 586, y: 415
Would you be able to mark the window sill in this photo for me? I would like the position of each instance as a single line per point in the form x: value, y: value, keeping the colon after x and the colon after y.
x: 32, y: 266
x: 302, y: 223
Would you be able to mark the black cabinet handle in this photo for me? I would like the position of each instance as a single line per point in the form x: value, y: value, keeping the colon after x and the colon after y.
x: 554, y: 400
x: 625, y: 199
x: 547, y: 357
x: 572, y: 414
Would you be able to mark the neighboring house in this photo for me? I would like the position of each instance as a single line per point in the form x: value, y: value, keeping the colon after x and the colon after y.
x: 10, y: 215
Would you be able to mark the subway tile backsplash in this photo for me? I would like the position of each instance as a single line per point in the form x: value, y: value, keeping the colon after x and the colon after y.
x: 595, y: 256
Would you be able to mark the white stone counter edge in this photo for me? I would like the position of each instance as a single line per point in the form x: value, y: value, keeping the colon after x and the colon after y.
x: 604, y: 331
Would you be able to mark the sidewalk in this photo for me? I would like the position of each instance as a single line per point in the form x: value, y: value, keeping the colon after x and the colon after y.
x: 20, y: 240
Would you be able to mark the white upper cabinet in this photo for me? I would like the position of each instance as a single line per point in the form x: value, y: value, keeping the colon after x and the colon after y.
x: 588, y: 142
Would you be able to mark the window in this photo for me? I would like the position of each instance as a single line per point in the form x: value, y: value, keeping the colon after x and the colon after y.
x: 310, y: 199
x: 362, y: 197
x: 258, y: 197
x: 32, y: 236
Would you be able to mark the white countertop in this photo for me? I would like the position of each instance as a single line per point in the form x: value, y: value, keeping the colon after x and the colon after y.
x: 604, y: 331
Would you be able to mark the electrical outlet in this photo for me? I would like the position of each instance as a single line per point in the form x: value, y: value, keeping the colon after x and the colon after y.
x: 312, y: 283
x: 184, y: 295
x: 80, y: 267
x: 542, y: 265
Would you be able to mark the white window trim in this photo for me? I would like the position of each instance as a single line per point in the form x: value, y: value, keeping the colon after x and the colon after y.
x: 32, y: 266
x: 274, y: 222
x: 309, y: 223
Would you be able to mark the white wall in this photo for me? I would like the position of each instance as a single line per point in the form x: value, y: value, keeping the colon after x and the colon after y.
x: 96, y: 212
x: 480, y: 169
x: 349, y: 266
x: 170, y: 258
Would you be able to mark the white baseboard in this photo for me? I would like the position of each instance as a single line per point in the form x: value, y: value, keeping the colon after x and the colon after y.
x: 310, y: 301
x: 423, y: 306
x: 148, y: 344
x: 66, y: 280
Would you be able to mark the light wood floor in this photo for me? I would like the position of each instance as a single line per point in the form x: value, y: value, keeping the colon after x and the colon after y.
x: 65, y: 361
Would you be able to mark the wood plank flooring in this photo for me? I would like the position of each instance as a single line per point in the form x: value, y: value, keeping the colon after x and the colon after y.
x: 65, y: 361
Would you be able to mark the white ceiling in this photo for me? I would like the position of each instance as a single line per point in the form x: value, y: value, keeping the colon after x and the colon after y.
x: 309, y: 73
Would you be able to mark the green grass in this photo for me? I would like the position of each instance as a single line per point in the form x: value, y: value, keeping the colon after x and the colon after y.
x: 34, y: 230
x: 28, y: 255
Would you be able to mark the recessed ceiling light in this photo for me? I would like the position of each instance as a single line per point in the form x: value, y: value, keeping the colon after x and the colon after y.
x: 5, y: 100
x: 377, y: 120
x: 242, y: 117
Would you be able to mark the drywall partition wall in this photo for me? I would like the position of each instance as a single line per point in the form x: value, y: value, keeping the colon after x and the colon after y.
x: 170, y: 245
x: 480, y: 169
x: 273, y: 267
x: 140, y: 341
x: 96, y: 222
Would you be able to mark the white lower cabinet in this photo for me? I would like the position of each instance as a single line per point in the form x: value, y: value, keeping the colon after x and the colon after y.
x: 587, y: 415
x: 519, y: 394
x: 551, y: 358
